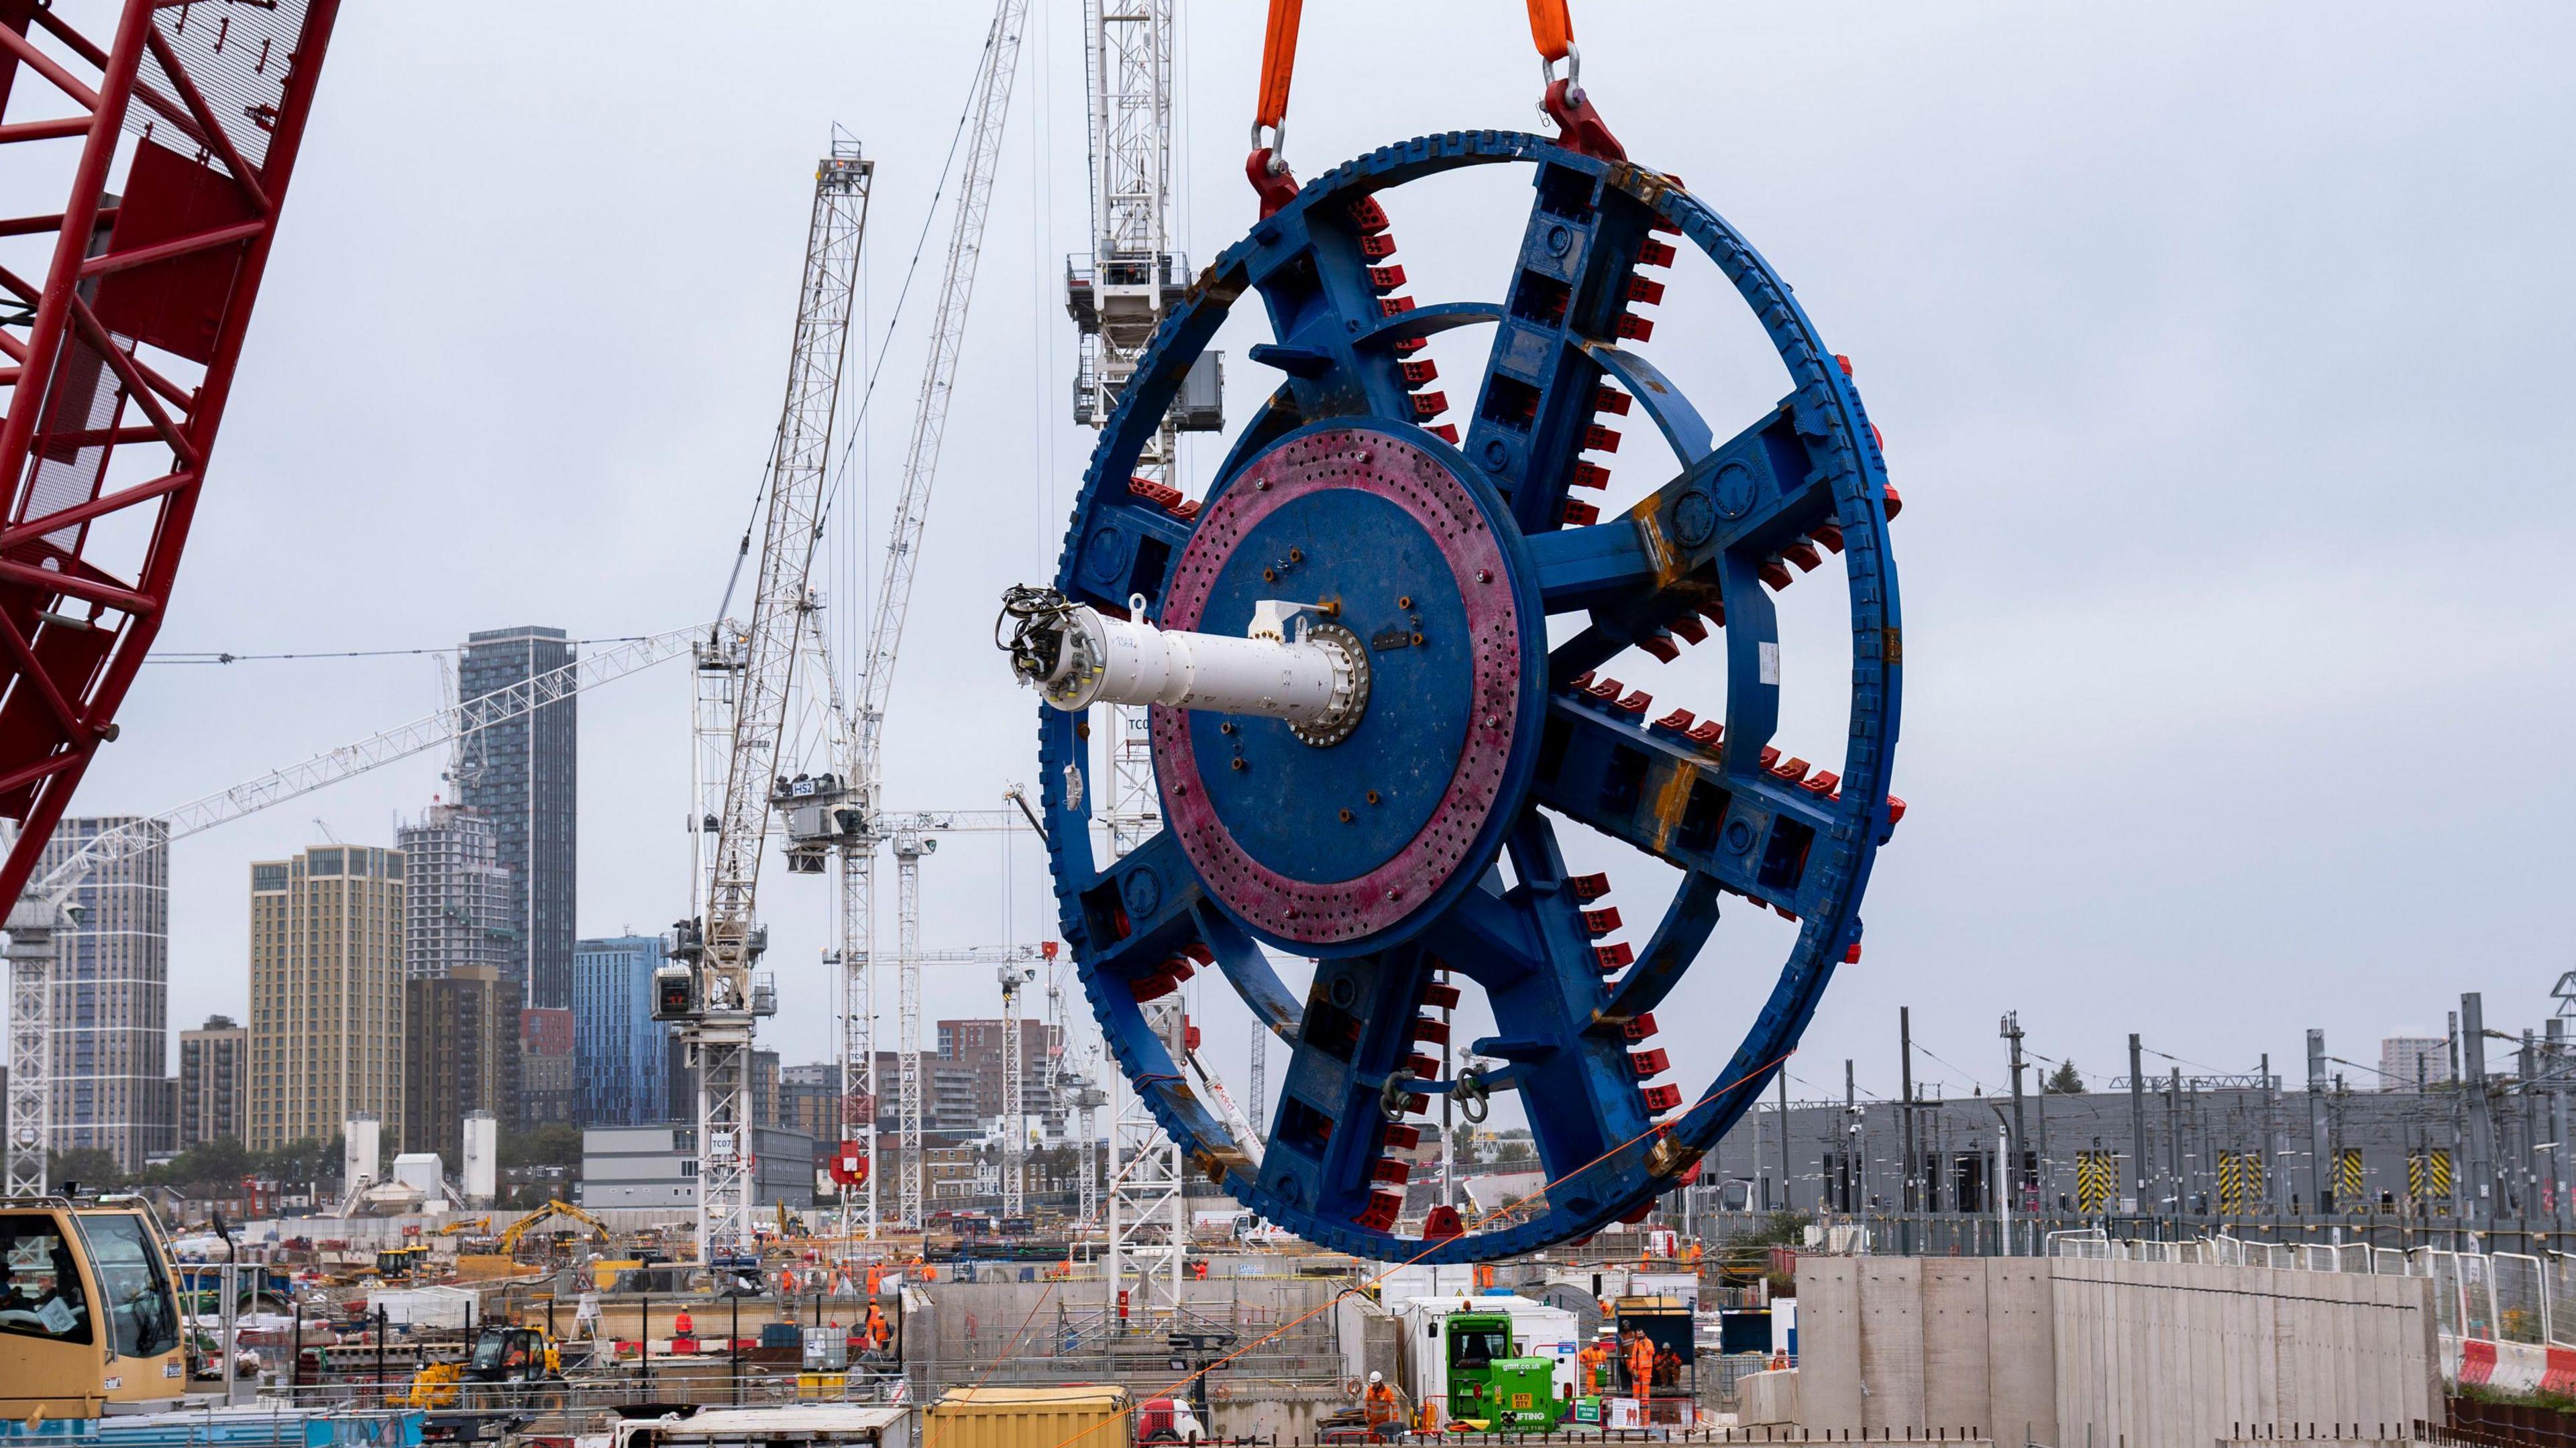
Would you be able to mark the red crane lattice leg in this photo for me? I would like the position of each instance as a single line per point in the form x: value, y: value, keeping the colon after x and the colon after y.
x: 120, y: 343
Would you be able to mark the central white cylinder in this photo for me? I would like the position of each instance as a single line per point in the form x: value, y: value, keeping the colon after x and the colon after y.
x: 1112, y: 661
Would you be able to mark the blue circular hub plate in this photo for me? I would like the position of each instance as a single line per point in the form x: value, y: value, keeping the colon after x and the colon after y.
x: 1332, y: 848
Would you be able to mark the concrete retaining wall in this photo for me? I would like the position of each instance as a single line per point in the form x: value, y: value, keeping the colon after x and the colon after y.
x: 2146, y: 1355
x: 1899, y: 1344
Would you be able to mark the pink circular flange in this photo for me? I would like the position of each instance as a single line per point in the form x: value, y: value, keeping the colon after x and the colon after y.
x: 1388, y: 467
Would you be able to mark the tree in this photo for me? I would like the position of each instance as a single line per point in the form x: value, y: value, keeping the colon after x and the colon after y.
x: 86, y: 1166
x: 2064, y: 1081
x: 551, y: 1144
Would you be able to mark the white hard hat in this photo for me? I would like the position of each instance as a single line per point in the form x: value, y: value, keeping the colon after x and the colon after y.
x: 1377, y: 1377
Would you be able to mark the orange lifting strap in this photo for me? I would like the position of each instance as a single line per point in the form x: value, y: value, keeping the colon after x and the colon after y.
x: 1551, y: 30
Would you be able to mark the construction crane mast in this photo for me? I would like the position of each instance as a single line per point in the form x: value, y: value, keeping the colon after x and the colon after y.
x: 1118, y: 297
x: 710, y: 988
x: 843, y: 818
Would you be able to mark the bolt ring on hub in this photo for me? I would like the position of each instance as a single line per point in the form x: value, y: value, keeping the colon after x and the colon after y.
x: 1441, y: 558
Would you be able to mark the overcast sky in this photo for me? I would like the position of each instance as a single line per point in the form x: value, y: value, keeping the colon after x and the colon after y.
x: 2222, y: 354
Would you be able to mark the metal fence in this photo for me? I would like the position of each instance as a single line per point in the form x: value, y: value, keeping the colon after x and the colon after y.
x: 2518, y: 1297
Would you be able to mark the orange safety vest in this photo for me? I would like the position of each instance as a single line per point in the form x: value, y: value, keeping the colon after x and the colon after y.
x: 1641, y: 1366
x: 1593, y: 1357
x: 876, y: 1278
x: 1380, y: 1405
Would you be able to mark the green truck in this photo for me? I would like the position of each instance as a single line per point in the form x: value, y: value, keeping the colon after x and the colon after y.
x: 1490, y: 1387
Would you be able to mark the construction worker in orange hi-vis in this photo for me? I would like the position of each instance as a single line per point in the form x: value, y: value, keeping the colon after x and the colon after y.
x: 1641, y: 1363
x: 876, y: 1332
x: 1595, y: 1359
x: 876, y: 1278
x: 1379, y: 1404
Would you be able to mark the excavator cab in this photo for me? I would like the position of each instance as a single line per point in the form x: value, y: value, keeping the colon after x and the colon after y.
x: 88, y: 1315
x: 513, y: 1355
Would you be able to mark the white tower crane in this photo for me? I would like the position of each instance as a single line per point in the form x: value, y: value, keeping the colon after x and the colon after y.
x: 710, y: 988
x: 842, y: 819
x: 1118, y: 300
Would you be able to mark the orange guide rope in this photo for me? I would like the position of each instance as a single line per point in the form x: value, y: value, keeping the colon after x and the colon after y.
x: 1279, y: 60
x: 1551, y: 29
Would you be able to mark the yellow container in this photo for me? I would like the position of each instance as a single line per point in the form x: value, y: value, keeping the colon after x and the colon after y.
x: 1071, y: 1415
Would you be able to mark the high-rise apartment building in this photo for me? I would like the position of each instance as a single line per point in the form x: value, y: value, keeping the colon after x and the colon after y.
x: 522, y: 775
x: 549, y: 1075
x: 458, y: 1032
x: 618, y: 1047
x: 977, y: 1044
x: 458, y: 905
x: 214, y: 1080
x: 2406, y: 1060
x: 111, y: 997
x: 326, y: 993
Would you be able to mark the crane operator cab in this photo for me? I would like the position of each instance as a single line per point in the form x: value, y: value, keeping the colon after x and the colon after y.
x: 88, y: 1322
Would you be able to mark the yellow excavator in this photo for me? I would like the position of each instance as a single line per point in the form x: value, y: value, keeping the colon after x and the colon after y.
x: 505, y: 1355
x: 510, y: 1235
x: 88, y: 1317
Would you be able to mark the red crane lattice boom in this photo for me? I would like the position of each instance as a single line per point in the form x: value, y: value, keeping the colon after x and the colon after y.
x: 120, y: 356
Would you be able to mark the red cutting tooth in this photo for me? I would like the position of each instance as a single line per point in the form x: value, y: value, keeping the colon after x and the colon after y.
x: 1844, y: 363
x: 1661, y: 645
x: 1400, y: 1137
x: 1774, y: 572
x: 1418, y: 373
x: 1770, y: 756
x: 1679, y: 721
x: 1427, y: 1029
x: 1852, y: 956
x: 1580, y: 681
x: 1636, y: 703
x: 1783, y: 912
x: 1655, y: 253
x: 1599, y: 438
x: 1660, y: 227
x: 1895, y: 809
x: 1635, y: 328
x: 1879, y: 439
x: 1611, y: 399
x: 1803, y: 554
x: 1588, y: 887
x: 1430, y: 404
x: 1440, y: 997
x: 1367, y: 215
x: 1611, y: 957
x: 1385, y: 278
x: 1198, y: 951
x: 1391, y: 306
x: 1189, y: 509
x: 1378, y: 247
x: 1407, y: 346
x: 1660, y: 1099
x: 1640, y: 1026
x: 1895, y: 504
x: 1160, y: 494
x: 1829, y: 534
x: 1153, y: 987
x: 1604, y: 690
x: 1423, y: 1066
x: 1573, y: 513
x: 1822, y: 782
x: 1650, y: 1063
x: 1791, y: 769
x: 1642, y: 290
x: 1416, y: 1105
x: 1379, y: 1216
x: 1447, y: 432
x: 1713, y: 609
x: 1588, y: 474
x: 1391, y: 1172
x: 1709, y: 733
x: 1689, y: 627
x: 1602, y: 921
